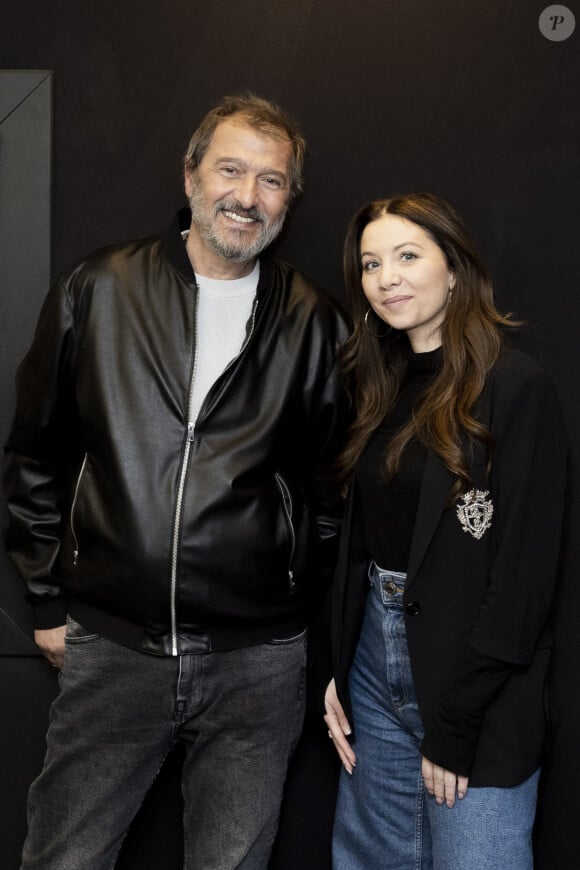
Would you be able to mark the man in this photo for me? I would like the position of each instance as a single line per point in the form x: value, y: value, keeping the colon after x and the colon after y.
x: 170, y: 499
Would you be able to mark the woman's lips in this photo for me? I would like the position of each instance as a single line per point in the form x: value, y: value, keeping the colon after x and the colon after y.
x: 396, y: 302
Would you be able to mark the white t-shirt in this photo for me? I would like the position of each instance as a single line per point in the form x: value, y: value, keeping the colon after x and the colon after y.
x: 223, y: 311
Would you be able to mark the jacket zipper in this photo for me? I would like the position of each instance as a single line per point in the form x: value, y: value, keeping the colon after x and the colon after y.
x: 180, y: 491
x: 176, y: 530
x: 189, y: 443
x: 72, y: 513
x: 287, y: 507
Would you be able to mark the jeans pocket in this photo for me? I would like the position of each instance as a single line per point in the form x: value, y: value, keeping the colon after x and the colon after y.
x: 284, y: 641
x: 77, y: 633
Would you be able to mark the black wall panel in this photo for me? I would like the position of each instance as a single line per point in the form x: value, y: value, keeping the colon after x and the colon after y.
x: 469, y: 100
x: 25, y: 188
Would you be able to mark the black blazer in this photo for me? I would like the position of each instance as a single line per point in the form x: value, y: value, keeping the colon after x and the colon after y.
x: 491, y: 592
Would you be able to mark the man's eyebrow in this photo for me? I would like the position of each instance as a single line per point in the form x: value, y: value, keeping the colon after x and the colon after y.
x: 266, y: 170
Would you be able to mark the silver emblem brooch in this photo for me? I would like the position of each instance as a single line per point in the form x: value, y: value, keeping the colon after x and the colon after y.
x: 475, y: 513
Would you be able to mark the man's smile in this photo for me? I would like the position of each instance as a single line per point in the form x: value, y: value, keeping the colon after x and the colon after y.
x: 239, y: 218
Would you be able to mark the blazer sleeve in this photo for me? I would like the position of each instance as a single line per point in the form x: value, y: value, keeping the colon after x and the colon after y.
x: 451, y: 739
x: 37, y: 454
x: 528, y: 482
x: 528, y: 488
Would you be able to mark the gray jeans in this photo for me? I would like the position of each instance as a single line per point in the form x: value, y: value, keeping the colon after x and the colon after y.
x: 119, y: 712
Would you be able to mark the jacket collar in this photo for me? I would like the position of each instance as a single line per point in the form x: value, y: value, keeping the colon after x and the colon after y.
x: 436, y: 486
x: 437, y: 482
x: 174, y: 250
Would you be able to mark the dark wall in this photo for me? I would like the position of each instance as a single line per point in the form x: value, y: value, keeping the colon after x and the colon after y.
x: 468, y: 100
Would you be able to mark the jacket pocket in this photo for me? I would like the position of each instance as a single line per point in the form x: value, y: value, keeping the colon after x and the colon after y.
x: 286, y: 500
x: 73, y: 509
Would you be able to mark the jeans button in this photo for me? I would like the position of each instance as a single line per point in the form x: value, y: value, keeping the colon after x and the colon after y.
x: 413, y: 608
x: 390, y: 587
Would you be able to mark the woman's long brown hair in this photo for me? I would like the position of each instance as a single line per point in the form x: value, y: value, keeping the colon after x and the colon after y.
x: 471, y: 338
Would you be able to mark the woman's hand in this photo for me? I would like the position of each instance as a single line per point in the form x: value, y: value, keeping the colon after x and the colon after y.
x: 443, y: 784
x: 338, y: 727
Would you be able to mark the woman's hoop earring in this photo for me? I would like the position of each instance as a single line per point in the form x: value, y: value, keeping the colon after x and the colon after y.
x: 374, y: 334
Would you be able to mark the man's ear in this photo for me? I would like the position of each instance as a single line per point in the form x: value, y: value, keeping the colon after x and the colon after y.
x: 188, y: 175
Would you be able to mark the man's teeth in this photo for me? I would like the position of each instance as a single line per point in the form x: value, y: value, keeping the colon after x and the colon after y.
x: 238, y: 217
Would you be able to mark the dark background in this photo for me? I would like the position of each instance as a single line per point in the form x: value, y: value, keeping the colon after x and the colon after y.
x: 467, y: 100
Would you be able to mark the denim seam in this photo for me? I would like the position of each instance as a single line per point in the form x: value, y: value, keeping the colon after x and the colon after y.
x: 419, y: 822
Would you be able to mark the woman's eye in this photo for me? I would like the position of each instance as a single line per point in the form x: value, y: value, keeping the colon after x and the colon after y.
x: 370, y: 266
x: 408, y: 256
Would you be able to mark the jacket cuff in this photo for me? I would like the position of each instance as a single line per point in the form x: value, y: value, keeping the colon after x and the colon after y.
x: 452, y: 749
x: 451, y: 738
x: 50, y: 615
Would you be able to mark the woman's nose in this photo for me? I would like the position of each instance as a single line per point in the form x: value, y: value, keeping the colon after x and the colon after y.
x: 389, y: 276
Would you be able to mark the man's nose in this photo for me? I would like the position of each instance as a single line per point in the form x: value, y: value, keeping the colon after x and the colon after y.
x: 247, y: 191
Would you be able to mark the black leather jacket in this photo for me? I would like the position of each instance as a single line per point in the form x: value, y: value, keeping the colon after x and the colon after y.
x: 162, y: 534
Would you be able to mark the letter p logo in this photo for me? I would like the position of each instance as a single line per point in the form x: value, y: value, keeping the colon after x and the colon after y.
x: 557, y: 23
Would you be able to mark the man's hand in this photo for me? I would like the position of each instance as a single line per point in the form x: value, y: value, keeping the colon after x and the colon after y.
x: 443, y: 784
x: 338, y: 727
x: 51, y: 643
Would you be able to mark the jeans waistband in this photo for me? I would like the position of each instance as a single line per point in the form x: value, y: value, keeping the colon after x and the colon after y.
x: 389, y: 585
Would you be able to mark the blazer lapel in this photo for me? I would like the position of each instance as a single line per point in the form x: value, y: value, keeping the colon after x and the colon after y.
x: 437, y: 481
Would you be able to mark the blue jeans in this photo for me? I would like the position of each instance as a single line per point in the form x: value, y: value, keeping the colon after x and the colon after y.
x: 384, y: 816
x: 119, y: 712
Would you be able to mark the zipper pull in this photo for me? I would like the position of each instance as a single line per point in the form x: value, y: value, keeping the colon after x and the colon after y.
x: 291, y: 582
x: 75, y: 557
x: 190, y: 431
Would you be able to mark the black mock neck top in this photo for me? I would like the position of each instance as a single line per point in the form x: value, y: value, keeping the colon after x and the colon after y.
x: 389, y: 507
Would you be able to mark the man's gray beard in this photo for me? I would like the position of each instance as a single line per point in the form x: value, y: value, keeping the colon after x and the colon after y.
x: 240, y: 252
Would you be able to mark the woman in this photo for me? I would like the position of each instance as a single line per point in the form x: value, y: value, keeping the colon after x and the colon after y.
x: 457, y: 461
